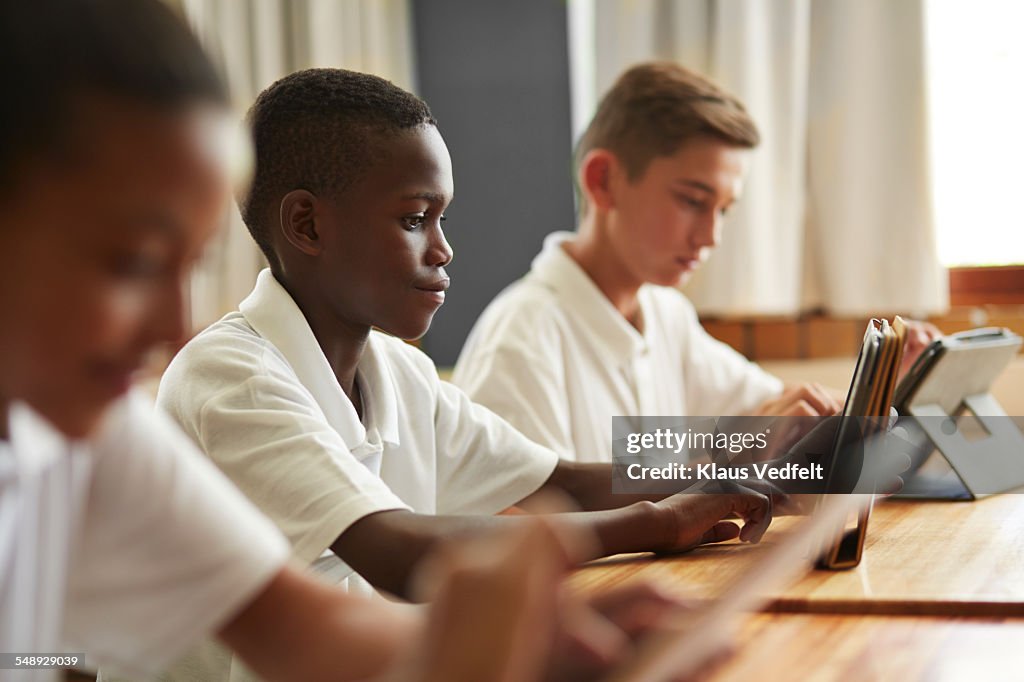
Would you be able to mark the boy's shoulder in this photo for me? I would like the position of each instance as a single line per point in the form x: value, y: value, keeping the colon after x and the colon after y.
x: 227, y: 353
x: 532, y: 303
x: 231, y: 346
x: 526, y: 323
x: 229, y: 340
x: 528, y: 307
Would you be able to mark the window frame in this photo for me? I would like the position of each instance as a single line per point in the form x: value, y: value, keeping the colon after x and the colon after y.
x: 989, y: 284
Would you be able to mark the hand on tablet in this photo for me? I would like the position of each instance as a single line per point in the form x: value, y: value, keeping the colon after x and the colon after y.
x: 693, y: 519
x: 801, y: 400
x: 878, y: 451
x: 919, y: 336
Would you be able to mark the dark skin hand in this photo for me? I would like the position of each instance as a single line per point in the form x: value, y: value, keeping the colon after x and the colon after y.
x: 385, y: 547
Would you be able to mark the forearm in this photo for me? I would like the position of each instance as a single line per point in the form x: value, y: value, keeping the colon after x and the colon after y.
x: 299, y: 629
x: 385, y: 548
x: 637, y: 527
x: 590, y: 486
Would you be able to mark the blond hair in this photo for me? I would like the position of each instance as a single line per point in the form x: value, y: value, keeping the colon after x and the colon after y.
x: 654, y: 108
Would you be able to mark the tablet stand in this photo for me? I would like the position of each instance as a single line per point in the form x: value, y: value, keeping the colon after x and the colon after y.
x: 986, y: 466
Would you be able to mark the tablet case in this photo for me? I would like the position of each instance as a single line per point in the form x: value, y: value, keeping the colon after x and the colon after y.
x: 865, y: 413
x: 953, y: 376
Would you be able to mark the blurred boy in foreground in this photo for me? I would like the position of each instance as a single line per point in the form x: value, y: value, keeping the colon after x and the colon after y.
x: 120, y: 540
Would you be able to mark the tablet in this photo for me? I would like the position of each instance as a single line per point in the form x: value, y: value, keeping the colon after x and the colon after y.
x: 955, y: 367
x: 684, y: 648
x: 951, y: 379
x: 865, y: 413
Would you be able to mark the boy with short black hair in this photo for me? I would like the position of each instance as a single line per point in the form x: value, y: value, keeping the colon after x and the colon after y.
x: 344, y: 435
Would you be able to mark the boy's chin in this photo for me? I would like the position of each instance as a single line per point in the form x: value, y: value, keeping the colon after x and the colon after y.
x: 672, y: 279
x: 408, y: 330
x: 683, y: 279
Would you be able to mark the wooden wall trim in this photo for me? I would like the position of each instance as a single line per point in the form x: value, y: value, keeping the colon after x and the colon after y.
x: 986, y: 285
x: 823, y: 336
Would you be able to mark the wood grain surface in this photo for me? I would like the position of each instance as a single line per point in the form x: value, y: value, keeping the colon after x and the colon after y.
x: 921, y: 558
x: 901, y: 649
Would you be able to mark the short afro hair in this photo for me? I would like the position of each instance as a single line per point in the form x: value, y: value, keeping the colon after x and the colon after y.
x: 316, y: 130
x: 55, y: 52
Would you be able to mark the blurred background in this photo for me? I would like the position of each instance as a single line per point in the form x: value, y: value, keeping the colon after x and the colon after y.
x: 886, y: 183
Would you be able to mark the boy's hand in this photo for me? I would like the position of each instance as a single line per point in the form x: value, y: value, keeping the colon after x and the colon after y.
x: 919, y: 336
x: 801, y: 400
x: 500, y: 611
x: 598, y: 631
x: 886, y: 460
x: 496, y: 602
x: 692, y: 519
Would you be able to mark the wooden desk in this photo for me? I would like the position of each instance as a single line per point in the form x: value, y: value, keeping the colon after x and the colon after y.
x: 921, y: 558
x: 902, y: 649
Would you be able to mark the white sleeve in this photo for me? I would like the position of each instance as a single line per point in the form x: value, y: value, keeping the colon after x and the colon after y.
x: 718, y: 380
x: 263, y: 429
x: 484, y: 464
x: 168, y: 550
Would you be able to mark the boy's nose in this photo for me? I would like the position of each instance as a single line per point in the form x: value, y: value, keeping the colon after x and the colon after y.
x: 440, y: 251
x: 710, y: 232
x: 169, y: 321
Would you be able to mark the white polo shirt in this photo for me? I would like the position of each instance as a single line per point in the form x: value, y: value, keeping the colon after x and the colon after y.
x: 257, y: 394
x: 128, y: 547
x: 554, y: 357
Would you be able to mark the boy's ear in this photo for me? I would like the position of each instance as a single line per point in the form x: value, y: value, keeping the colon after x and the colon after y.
x: 298, y: 221
x: 595, y: 179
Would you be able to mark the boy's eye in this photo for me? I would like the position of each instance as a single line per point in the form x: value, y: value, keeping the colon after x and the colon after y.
x: 137, y: 265
x: 413, y: 222
x: 691, y: 202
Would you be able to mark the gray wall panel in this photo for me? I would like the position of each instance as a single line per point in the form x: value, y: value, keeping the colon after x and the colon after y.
x: 496, y: 75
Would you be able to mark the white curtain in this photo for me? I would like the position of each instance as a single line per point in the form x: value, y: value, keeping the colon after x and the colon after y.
x: 871, y: 212
x: 836, y: 212
x: 259, y: 41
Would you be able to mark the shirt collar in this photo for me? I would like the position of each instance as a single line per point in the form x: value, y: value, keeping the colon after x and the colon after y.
x: 274, y: 315
x: 34, y: 444
x: 554, y: 268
